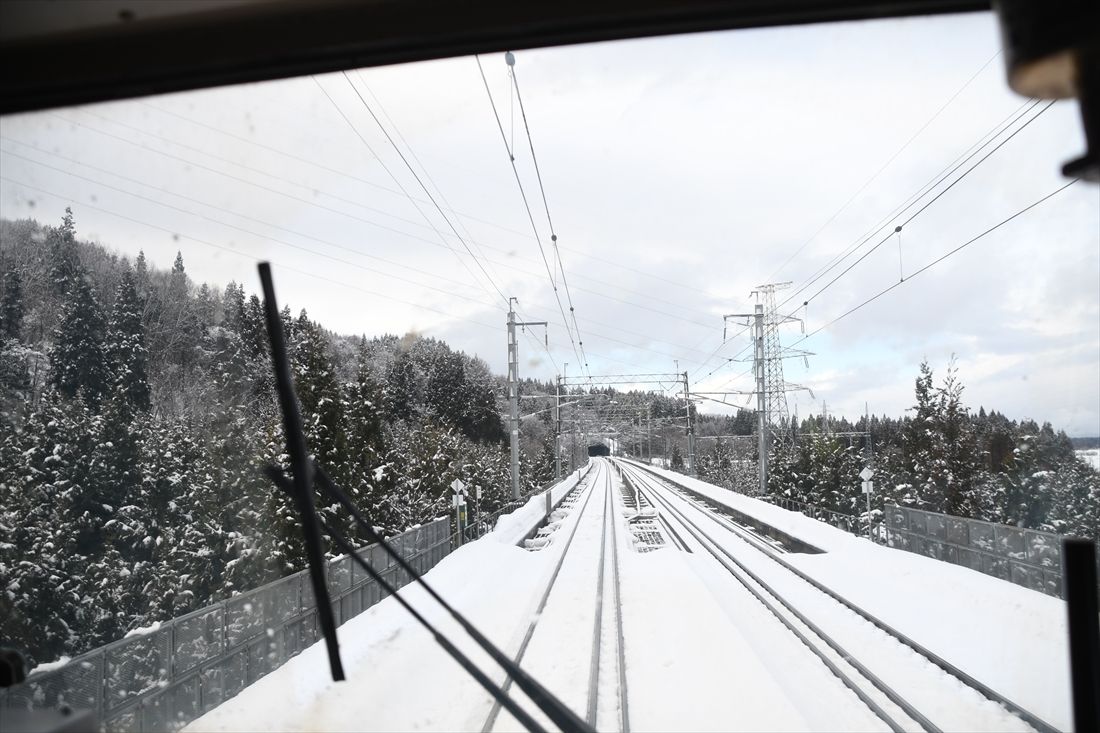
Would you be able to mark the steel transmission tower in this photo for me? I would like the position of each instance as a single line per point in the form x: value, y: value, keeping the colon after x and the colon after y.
x: 767, y: 367
x: 775, y: 387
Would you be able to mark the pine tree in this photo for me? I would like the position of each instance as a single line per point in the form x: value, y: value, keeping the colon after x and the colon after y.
x: 11, y: 308
x: 401, y: 388
x: 141, y: 270
x: 254, y: 329
x: 364, y: 473
x: 234, y: 305
x: 126, y: 346
x: 65, y: 267
x: 15, y: 381
x: 77, y: 360
x: 956, y: 450
x: 39, y: 597
x: 676, y: 462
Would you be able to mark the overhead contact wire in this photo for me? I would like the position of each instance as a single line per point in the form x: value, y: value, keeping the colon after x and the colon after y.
x: 530, y: 215
x: 549, y: 220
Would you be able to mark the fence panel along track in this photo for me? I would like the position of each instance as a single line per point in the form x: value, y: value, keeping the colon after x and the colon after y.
x: 185, y: 667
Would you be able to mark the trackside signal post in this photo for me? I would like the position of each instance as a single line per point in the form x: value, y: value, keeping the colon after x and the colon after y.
x: 513, y: 392
x: 458, y: 501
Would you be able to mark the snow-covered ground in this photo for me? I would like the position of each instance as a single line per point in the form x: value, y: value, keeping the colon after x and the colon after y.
x: 1090, y: 456
x: 1011, y: 638
x: 700, y: 653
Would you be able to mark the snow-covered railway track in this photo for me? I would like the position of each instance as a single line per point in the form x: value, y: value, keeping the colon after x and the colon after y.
x: 608, y: 631
x: 932, y: 700
x: 603, y: 700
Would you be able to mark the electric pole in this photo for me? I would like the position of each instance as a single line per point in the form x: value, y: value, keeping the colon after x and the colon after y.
x: 513, y: 392
x: 648, y: 433
x: 557, y: 429
x: 759, y: 359
x: 762, y: 425
x: 690, y: 428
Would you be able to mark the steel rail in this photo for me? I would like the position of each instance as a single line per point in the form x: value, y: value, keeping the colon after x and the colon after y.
x: 677, y: 541
x: 597, y: 631
x: 709, y: 544
x: 624, y: 710
x: 494, y: 712
x: 1028, y: 717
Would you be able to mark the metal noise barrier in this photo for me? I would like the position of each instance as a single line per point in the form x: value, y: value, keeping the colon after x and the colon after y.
x: 168, y: 677
x: 1026, y: 557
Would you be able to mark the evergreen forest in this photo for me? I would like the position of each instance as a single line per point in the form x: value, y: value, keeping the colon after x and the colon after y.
x: 137, y: 412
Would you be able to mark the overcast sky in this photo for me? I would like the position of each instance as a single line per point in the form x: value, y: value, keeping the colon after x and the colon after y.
x: 680, y: 173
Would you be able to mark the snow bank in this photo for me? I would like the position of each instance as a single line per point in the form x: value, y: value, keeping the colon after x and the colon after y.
x: 1090, y: 456
x: 511, y: 528
x: 50, y: 666
x: 143, y: 630
x: 398, y: 678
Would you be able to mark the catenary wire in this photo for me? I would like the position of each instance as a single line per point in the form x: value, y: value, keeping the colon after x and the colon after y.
x: 63, y: 197
x: 936, y: 261
x: 546, y: 207
x: 530, y: 215
x: 934, y: 181
x: 424, y: 187
x: 369, y: 222
x: 386, y: 168
x: 912, y: 201
x: 926, y: 205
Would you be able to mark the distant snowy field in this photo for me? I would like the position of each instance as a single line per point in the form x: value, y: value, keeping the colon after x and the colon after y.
x: 1090, y: 456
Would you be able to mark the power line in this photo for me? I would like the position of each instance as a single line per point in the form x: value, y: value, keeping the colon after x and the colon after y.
x: 365, y: 181
x: 885, y: 165
x: 175, y: 233
x: 264, y: 237
x: 251, y: 169
x: 939, y: 259
x: 923, y: 269
x: 595, y: 293
x: 261, y: 186
x: 929, y: 185
x: 313, y: 203
x: 935, y: 181
x: 398, y: 182
x: 546, y: 207
x: 423, y: 168
x: 926, y: 205
x: 427, y: 192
